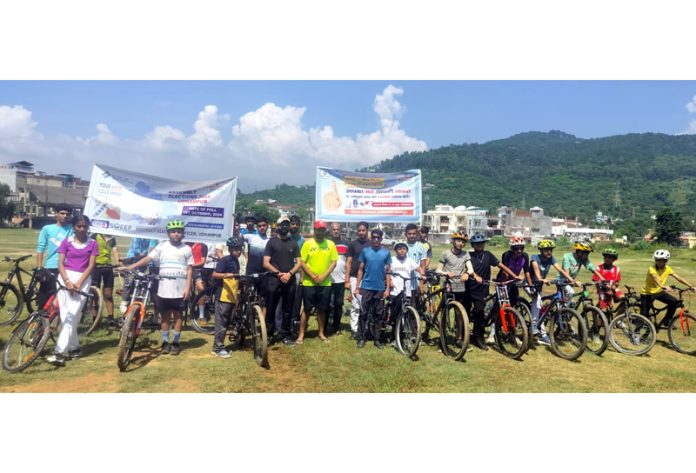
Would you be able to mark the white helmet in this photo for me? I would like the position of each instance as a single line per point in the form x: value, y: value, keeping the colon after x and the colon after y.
x: 661, y: 254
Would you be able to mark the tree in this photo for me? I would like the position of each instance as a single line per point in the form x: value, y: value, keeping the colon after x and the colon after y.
x: 6, y: 206
x: 668, y: 225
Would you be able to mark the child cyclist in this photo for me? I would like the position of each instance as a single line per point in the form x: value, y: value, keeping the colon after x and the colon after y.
x: 541, y: 264
x: 404, y: 267
x: 226, y: 293
x: 175, y: 260
x: 608, y: 290
x: 656, y: 288
x: 573, y: 262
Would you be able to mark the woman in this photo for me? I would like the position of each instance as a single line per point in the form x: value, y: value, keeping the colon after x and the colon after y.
x: 77, y: 255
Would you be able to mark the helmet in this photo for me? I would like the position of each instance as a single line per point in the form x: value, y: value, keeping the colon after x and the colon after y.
x: 176, y: 225
x: 460, y: 236
x: 582, y: 246
x: 478, y: 238
x: 235, y: 242
x: 661, y: 254
x: 546, y: 244
x: 610, y: 252
x: 399, y: 244
x: 517, y: 241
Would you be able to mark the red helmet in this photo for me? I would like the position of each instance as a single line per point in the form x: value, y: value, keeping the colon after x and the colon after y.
x: 517, y: 241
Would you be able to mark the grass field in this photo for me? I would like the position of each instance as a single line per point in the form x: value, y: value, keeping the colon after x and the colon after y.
x: 340, y: 367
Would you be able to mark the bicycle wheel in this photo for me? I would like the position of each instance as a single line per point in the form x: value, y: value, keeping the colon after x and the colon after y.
x: 408, y: 331
x: 91, y: 312
x: 454, y: 330
x: 259, y: 338
x: 523, y: 307
x: 512, y: 337
x: 682, y: 334
x: 597, y: 329
x: 206, y: 324
x: 567, y: 334
x: 129, y: 334
x: 26, y: 343
x: 632, y: 334
x: 11, y: 304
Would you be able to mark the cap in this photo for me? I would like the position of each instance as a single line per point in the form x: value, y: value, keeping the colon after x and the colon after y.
x: 320, y: 224
x: 282, y: 220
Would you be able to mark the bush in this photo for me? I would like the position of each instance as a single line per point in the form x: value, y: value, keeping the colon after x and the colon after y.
x: 641, y: 245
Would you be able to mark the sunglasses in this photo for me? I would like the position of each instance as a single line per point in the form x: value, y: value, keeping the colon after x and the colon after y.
x: 376, y: 238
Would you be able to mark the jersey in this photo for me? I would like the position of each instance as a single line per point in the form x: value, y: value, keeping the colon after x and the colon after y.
x: 50, y: 238
x: 518, y: 263
x: 172, y: 261
x: 318, y: 257
x: 106, y: 245
x: 338, y: 275
x: 406, y: 268
x: 416, y: 253
x: 544, y: 266
x: 374, y: 271
x: 572, y: 265
x: 650, y: 288
x: 257, y: 245
x: 612, y: 274
x: 457, y: 264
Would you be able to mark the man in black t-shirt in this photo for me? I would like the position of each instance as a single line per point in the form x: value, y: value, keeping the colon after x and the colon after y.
x: 476, y: 293
x: 352, y: 264
x: 281, y: 256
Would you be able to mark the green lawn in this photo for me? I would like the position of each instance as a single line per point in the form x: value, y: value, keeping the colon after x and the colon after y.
x: 340, y: 367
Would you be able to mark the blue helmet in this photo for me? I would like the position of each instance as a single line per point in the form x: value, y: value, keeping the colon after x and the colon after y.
x: 478, y: 238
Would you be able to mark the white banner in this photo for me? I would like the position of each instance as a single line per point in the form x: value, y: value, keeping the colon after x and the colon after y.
x: 347, y: 196
x: 132, y: 204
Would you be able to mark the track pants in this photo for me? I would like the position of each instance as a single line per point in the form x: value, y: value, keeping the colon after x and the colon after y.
x: 70, y: 313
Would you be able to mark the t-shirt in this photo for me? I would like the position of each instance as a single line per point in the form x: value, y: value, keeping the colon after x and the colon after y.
x: 77, y: 254
x: 299, y: 239
x: 318, y: 256
x: 457, y: 264
x: 662, y: 274
x: 282, y: 253
x: 257, y: 245
x: 200, y: 253
x: 50, y: 239
x: 338, y: 275
x: 138, y: 246
x: 228, y: 264
x: 374, y: 273
x: 210, y: 262
x: 172, y: 261
x: 355, y: 247
x: 406, y: 268
x: 517, y: 262
x: 417, y: 253
x: 106, y: 244
x: 612, y: 274
x: 482, y: 263
x: 572, y: 265
x: 428, y: 249
x: 544, y: 266
x: 244, y: 231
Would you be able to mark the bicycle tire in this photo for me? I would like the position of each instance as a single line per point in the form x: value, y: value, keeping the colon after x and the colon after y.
x: 207, y: 327
x: 568, y: 334
x: 683, y: 337
x: 632, y: 334
x: 514, y: 342
x: 11, y: 303
x: 454, y: 330
x: 91, y: 312
x: 128, y: 337
x: 28, y: 340
x: 408, y: 331
x: 597, y: 326
x: 259, y: 336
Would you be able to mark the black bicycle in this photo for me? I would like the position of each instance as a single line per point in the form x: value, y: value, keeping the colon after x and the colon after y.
x: 406, y: 326
x: 595, y: 320
x: 630, y: 332
x: 247, y: 317
x: 14, y: 298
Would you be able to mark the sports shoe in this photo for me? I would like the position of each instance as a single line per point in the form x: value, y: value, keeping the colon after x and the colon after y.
x: 112, y: 322
x: 221, y: 354
x: 174, y: 349
x: 354, y: 335
x: 56, y: 359
x: 166, y: 349
x: 378, y: 344
x: 289, y: 342
x: 478, y: 341
x: 490, y: 340
x: 123, y: 307
x: 75, y: 354
x: 361, y: 343
x: 544, y: 340
x: 595, y: 339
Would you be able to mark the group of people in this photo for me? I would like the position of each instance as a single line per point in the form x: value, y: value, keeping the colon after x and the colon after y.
x: 312, y: 275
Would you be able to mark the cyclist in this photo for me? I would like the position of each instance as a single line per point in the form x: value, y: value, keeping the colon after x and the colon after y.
x: 608, y: 292
x: 423, y: 236
x: 541, y: 264
x: 374, y: 285
x: 103, y: 274
x: 573, y: 261
x: 174, y: 259
x: 76, y: 260
x: 656, y: 288
x: 226, y: 267
x: 50, y: 239
x: 475, y: 296
x: 456, y: 263
x: 355, y: 247
x: 406, y: 268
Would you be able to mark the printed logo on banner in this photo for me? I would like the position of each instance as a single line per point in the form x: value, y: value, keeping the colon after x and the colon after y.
x: 99, y: 223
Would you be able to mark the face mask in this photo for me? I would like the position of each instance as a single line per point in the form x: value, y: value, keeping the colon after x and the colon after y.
x: 283, y: 231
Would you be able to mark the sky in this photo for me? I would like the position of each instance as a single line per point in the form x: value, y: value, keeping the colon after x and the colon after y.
x: 270, y: 132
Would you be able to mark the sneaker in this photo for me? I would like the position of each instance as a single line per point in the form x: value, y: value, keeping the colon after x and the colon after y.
x: 378, y: 344
x: 544, y: 340
x: 75, y: 354
x: 596, y: 340
x: 56, y: 359
x: 123, y: 307
x: 221, y: 354
x: 166, y: 348
x: 289, y: 342
x: 354, y: 335
x: 361, y: 343
x: 112, y: 322
x: 490, y: 340
x: 478, y: 341
x: 174, y: 349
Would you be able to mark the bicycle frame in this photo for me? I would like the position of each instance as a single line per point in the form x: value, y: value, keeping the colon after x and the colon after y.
x: 503, y: 299
x: 16, y: 271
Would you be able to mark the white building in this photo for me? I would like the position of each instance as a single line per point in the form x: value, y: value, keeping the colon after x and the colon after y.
x: 445, y: 220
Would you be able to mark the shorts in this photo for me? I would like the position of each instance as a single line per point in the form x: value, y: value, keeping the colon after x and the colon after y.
x: 103, y: 274
x: 196, y: 274
x: 316, y: 296
x: 165, y: 304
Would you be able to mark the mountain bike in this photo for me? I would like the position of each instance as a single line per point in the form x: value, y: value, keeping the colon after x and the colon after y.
x: 681, y: 329
x: 207, y: 299
x: 630, y: 332
x: 14, y: 298
x: 406, y: 327
x: 247, y: 317
x: 595, y: 320
x: 441, y: 313
x: 29, y: 338
x: 508, y: 325
x: 91, y: 312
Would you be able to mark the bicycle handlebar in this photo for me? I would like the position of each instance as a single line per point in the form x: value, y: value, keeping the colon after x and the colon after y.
x: 19, y: 259
x: 86, y: 294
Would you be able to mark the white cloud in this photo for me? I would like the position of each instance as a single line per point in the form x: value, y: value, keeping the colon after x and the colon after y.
x: 692, y: 128
x: 267, y: 146
x: 691, y: 106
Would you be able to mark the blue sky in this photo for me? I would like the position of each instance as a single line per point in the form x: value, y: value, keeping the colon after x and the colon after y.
x: 292, y: 126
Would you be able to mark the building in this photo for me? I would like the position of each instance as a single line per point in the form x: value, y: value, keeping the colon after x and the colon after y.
x: 445, y: 220
x: 532, y: 224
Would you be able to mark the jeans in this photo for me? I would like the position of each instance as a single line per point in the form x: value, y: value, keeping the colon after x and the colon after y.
x: 372, y: 309
x: 223, y: 316
x: 338, y: 291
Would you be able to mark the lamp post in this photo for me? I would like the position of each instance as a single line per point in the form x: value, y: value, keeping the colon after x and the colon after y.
x: 427, y: 187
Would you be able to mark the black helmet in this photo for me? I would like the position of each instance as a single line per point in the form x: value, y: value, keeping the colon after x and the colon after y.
x: 235, y: 242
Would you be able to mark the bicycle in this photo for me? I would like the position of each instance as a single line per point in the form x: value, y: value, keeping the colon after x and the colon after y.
x: 247, y: 317
x: 207, y: 299
x: 567, y: 330
x: 14, y: 298
x: 406, y: 328
x: 29, y: 338
x: 442, y: 313
x: 595, y: 320
x: 509, y: 327
x: 630, y: 332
